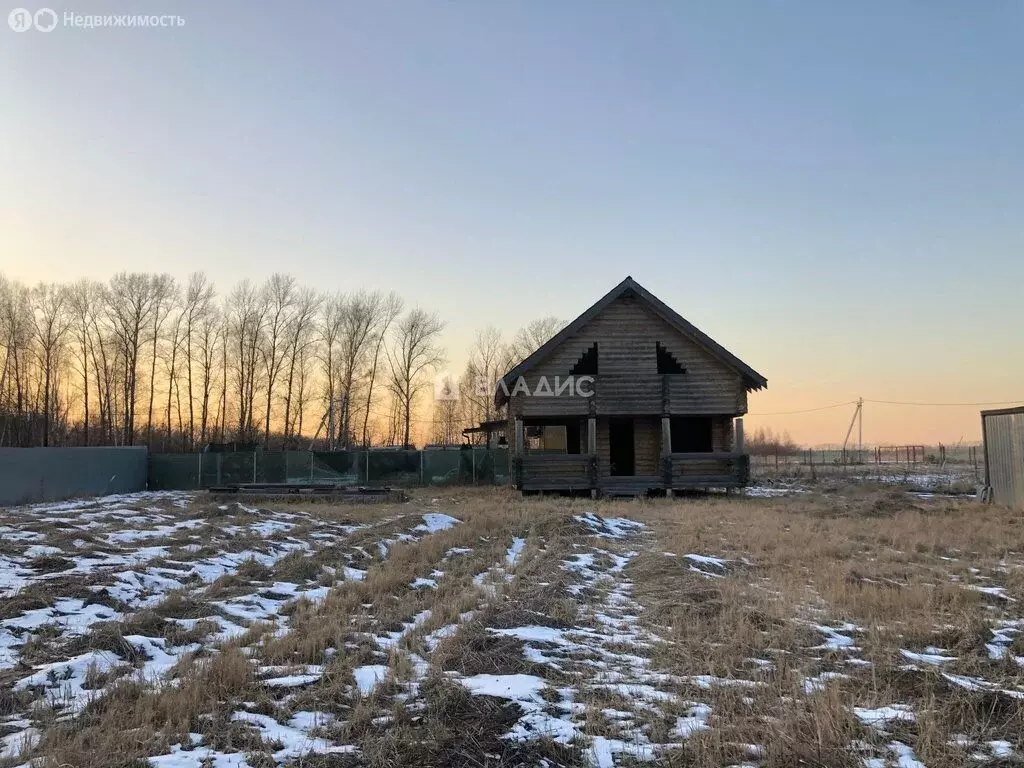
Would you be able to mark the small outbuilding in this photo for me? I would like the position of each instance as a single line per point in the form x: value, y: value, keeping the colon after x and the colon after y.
x: 628, y: 398
x: 1003, y: 433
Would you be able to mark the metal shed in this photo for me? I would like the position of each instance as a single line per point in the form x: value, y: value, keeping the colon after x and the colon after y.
x: 1003, y: 433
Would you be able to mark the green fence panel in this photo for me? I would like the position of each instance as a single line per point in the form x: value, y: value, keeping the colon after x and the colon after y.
x: 238, y: 468
x: 395, y: 468
x: 174, y: 472
x: 400, y: 469
x: 272, y: 467
x: 502, y: 468
x: 341, y: 467
x: 298, y: 466
x: 446, y: 468
x: 490, y: 466
x: 211, y: 469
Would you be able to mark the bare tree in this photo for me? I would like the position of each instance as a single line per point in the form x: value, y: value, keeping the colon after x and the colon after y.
x: 303, y: 393
x: 130, y: 308
x: 174, y: 342
x: 10, y: 349
x: 488, y: 360
x: 448, y: 417
x: 7, y: 338
x: 532, y: 336
x: 246, y: 315
x: 52, y: 321
x: 279, y: 296
x: 394, y: 422
x: 389, y: 309
x: 413, y: 352
x: 17, y: 323
x: 83, y: 298
x: 225, y: 335
x: 103, y: 350
x: 359, y: 318
x: 164, y: 294
x: 331, y: 320
x: 199, y: 295
x: 209, y: 342
x: 302, y: 335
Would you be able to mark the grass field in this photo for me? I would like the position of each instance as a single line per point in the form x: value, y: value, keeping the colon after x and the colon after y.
x: 850, y: 625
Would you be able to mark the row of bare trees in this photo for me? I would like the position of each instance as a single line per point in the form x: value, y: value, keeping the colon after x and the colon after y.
x: 146, y: 359
x: 143, y: 358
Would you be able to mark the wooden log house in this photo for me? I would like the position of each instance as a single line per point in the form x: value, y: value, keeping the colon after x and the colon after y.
x: 628, y: 398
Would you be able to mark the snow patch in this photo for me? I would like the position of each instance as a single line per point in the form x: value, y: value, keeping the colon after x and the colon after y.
x: 436, y: 521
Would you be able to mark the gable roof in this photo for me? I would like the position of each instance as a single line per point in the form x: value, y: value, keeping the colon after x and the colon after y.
x: 630, y: 287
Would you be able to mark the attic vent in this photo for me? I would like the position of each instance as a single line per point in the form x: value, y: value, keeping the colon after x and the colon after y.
x: 666, y: 362
x: 587, y: 364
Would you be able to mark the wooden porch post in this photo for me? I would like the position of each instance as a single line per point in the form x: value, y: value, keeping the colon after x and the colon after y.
x: 592, y: 450
x: 666, y: 449
x: 519, y: 452
x: 743, y: 462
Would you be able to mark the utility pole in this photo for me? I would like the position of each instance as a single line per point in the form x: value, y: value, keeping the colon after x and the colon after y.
x: 856, y: 418
x: 860, y: 428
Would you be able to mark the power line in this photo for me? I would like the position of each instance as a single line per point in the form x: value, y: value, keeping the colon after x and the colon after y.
x: 889, y: 402
x: 808, y: 410
x: 945, y: 405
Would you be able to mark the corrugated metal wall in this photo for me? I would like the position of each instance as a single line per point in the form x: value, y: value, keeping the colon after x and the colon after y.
x: 1004, y: 455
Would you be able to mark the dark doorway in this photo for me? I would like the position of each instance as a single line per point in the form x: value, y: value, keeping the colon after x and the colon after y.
x: 572, y: 437
x: 620, y: 444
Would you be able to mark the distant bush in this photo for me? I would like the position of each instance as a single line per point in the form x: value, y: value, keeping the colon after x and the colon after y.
x: 764, y: 442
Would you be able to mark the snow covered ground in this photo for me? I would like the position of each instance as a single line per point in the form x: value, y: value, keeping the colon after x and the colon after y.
x: 479, y: 630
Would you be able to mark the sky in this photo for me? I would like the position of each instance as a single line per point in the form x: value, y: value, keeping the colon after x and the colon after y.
x: 833, y: 191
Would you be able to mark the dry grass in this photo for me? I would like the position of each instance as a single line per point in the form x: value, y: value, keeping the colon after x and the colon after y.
x: 891, y: 572
x: 896, y: 567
